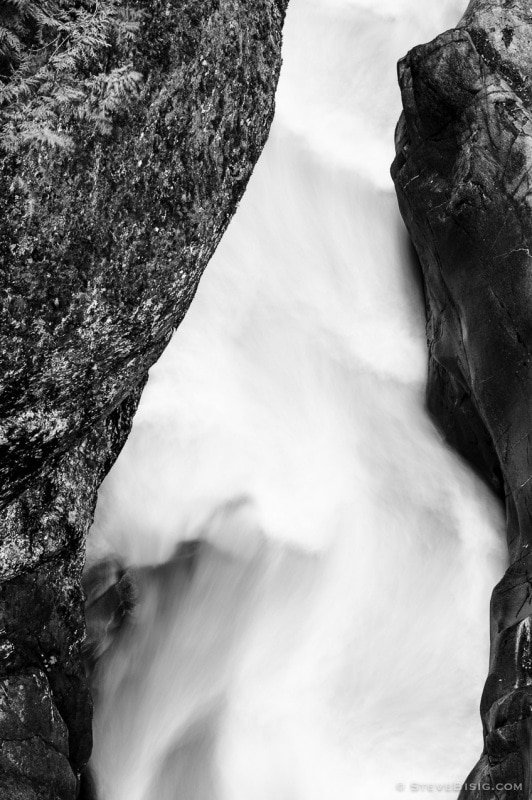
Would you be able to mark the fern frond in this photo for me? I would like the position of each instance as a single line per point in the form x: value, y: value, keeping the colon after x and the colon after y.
x: 43, y: 135
x: 58, y: 61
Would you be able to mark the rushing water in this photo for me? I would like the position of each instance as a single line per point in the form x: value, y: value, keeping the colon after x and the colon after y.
x: 329, y: 638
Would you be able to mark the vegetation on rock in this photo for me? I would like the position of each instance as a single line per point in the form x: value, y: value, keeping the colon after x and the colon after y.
x: 128, y: 132
x: 61, y: 60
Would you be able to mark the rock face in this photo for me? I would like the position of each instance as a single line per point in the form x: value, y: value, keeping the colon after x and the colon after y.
x: 462, y: 174
x: 102, y: 248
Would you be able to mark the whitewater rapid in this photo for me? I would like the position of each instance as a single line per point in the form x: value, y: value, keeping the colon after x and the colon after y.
x: 329, y: 639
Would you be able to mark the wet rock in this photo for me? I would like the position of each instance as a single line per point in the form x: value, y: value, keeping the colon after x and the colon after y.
x: 113, y: 593
x: 33, y: 741
x: 102, y: 247
x: 110, y: 596
x: 462, y: 175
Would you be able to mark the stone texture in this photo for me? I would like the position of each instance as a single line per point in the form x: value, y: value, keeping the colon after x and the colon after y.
x: 462, y: 175
x: 110, y: 595
x: 101, y: 250
x: 34, y: 741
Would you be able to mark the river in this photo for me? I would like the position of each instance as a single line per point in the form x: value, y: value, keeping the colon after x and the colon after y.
x: 328, y: 639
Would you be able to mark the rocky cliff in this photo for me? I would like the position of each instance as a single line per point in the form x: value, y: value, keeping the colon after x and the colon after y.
x: 462, y: 174
x: 106, y: 224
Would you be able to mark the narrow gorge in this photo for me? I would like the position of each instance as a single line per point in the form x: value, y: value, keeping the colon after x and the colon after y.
x: 285, y: 588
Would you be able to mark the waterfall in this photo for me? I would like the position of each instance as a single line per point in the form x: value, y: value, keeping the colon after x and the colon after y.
x: 313, y: 564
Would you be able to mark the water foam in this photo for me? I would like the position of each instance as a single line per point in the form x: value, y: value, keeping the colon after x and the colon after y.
x: 332, y: 639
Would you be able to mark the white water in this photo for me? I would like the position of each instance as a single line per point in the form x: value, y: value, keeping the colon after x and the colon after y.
x: 332, y: 642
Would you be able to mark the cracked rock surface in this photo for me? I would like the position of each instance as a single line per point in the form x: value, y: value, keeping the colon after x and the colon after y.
x: 462, y: 174
x: 101, y: 251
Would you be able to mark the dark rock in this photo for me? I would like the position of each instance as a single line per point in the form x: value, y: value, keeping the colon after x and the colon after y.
x: 87, y: 787
x: 120, y: 228
x: 102, y: 248
x: 41, y: 601
x: 462, y: 175
x: 110, y: 596
x: 34, y: 741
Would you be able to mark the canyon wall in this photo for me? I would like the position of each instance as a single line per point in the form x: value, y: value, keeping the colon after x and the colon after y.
x: 462, y: 175
x: 105, y: 229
